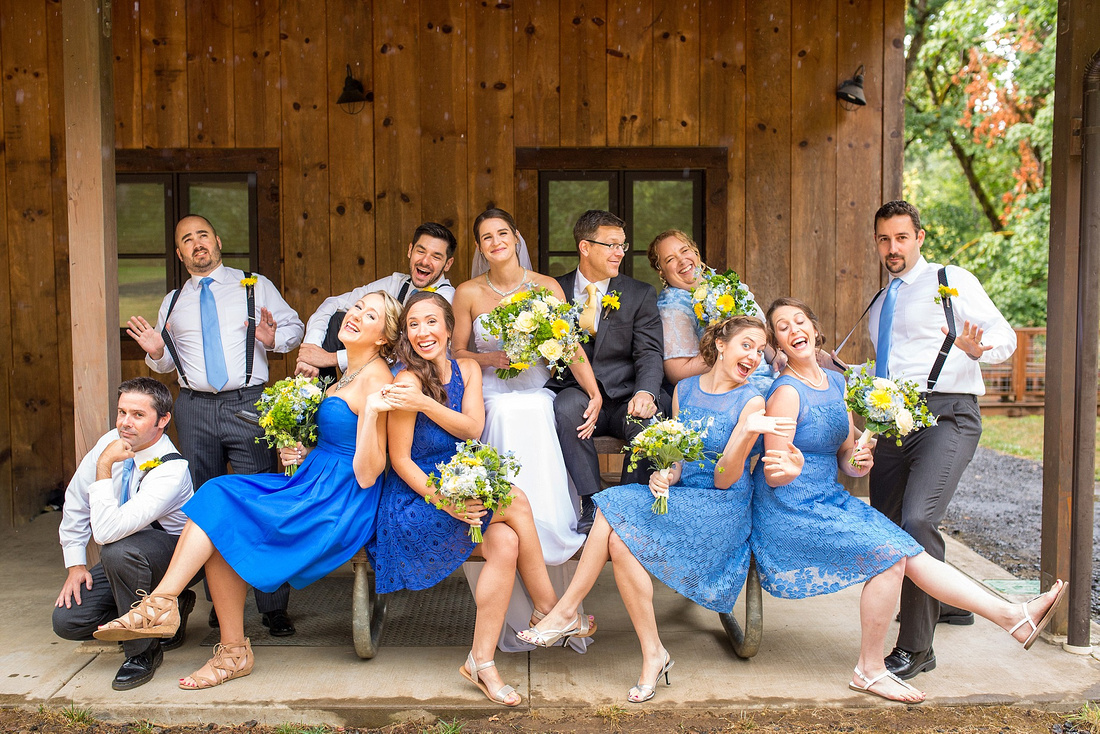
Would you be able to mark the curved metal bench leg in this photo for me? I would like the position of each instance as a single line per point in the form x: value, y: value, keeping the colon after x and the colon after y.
x: 368, y: 610
x: 747, y: 643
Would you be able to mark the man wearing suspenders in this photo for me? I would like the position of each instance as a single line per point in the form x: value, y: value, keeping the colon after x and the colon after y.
x: 126, y: 495
x: 932, y: 325
x: 215, y: 332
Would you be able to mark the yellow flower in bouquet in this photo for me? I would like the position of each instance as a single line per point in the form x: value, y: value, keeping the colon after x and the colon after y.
x: 534, y: 325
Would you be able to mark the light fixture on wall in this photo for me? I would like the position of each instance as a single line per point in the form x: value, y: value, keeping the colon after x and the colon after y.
x: 353, y: 99
x: 850, y: 92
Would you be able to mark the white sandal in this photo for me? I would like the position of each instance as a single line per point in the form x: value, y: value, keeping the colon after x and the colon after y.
x: 644, y: 691
x: 470, y: 670
x: 1036, y: 628
x: 868, y: 682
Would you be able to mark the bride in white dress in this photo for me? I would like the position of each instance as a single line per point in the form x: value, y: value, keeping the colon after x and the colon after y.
x: 519, y: 412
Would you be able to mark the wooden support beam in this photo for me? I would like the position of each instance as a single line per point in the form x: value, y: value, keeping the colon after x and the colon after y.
x: 93, y: 261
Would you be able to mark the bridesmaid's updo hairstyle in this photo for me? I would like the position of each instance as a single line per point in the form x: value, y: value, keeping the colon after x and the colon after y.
x: 675, y: 234
x: 725, y: 330
x: 493, y: 213
x: 801, y: 306
x: 392, y: 330
x: 431, y: 380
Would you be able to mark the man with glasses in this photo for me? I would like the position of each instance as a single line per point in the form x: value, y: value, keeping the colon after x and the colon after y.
x: 624, y: 348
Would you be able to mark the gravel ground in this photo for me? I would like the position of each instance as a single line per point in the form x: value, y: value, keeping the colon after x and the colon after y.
x: 997, y: 511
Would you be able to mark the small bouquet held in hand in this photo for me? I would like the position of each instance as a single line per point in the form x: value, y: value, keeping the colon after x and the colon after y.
x: 720, y: 296
x: 288, y: 412
x: 533, y: 324
x: 664, y: 443
x: 477, y: 471
x: 892, y: 408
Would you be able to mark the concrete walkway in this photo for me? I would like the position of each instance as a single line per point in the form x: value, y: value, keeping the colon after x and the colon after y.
x: 805, y: 660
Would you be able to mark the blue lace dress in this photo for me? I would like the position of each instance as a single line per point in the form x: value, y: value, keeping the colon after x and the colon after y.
x: 272, y: 528
x: 418, y: 545
x: 700, y: 549
x: 811, y: 536
x: 683, y: 331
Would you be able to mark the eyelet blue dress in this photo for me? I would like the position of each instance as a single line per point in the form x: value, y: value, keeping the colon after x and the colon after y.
x: 272, y: 528
x: 700, y: 549
x: 418, y: 545
x: 812, y: 536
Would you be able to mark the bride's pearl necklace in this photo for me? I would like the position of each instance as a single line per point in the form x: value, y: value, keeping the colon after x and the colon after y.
x: 499, y: 292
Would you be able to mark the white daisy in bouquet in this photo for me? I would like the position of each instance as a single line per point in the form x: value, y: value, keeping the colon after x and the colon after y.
x: 719, y: 296
x: 891, y: 408
x: 288, y: 413
x: 664, y: 442
x: 534, y: 324
x: 477, y: 471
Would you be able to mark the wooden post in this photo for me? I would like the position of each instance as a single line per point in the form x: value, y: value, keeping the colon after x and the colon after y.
x: 1019, y: 366
x: 93, y: 258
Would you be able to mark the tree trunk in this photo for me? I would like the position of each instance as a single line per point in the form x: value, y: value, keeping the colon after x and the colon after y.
x: 967, y: 163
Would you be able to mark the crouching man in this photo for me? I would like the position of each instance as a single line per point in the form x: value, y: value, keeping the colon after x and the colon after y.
x: 126, y: 495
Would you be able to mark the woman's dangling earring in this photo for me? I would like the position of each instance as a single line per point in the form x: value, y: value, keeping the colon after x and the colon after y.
x: 719, y: 356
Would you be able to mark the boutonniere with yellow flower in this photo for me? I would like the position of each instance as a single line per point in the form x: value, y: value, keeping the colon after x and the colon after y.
x: 945, y: 292
x: 151, y: 464
x: 250, y: 280
x: 610, y: 302
x: 428, y: 289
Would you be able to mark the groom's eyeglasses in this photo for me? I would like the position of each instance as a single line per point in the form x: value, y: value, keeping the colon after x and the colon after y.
x: 624, y: 246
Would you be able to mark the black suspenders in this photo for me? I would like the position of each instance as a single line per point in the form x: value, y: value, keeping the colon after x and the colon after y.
x: 249, y: 341
x: 949, y: 314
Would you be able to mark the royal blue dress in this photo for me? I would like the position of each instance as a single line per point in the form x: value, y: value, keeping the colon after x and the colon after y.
x: 272, y: 528
x: 700, y: 549
x: 811, y: 536
x: 418, y: 545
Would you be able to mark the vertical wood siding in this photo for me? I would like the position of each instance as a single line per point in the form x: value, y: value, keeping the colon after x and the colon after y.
x: 455, y: 87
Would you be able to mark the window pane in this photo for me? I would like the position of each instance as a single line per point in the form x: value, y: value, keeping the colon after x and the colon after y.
x: 139, y: 208
x: 660, y: 205
x: 567, y: 201
x: 562, y: 264
x: 241, y: 263
x: 225, y: 205
x: 140, y: 288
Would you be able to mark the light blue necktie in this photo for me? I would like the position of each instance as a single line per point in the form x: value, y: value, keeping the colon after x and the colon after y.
x: 885, y: 326
x: 127, y: 474
x: 216, y: 373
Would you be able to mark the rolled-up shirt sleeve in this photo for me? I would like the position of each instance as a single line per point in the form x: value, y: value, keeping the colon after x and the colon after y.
x: 164, y: 490
x: 974, y: 305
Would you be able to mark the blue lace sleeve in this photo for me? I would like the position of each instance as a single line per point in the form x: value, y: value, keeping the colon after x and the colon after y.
x: 681, y: 329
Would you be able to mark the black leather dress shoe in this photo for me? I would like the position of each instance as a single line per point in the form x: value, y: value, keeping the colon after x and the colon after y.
x: 278, y: 623
x: 139, y: 669
x: 960, y: 618
x: 906, y: 665
x: 588, y: 515
x: 186, y: 604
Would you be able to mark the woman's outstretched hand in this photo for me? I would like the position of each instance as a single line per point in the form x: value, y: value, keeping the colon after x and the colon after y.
x: 782, y: 466
x: 781, y: 426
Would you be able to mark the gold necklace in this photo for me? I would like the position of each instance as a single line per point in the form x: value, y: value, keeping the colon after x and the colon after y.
x: 816, y: 385
x: 348, y: 379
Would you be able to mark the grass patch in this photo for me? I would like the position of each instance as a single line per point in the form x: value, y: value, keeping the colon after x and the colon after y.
x: 77, y: 716
x: 454, y: 726
x: 1087, y: 719
x: 1020, y: 436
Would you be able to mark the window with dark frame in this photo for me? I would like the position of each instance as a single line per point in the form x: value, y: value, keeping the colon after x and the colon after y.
x: 237, y: 190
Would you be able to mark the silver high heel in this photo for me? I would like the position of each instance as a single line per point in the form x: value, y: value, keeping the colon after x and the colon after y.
x: 643, y: 692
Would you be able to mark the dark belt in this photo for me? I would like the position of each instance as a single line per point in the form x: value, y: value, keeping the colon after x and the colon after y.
x: 238, y: 394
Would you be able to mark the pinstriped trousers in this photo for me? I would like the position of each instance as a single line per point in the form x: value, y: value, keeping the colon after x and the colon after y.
x: 211, y: 436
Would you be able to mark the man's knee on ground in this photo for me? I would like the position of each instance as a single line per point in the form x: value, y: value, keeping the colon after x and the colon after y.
x: 67, y: 627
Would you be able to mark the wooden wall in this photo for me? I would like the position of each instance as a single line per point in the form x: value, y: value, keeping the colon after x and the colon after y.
x: 456, y: 86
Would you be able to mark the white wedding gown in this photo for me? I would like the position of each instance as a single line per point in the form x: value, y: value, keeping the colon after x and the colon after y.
x: 519, y: 417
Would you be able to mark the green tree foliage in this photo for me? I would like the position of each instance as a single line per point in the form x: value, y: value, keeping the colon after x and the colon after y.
x: 979, y: 118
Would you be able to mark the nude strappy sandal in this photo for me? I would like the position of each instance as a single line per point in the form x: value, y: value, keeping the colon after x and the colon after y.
x: 153, y: 615
x: 470, y: 670
x: 229, y: 662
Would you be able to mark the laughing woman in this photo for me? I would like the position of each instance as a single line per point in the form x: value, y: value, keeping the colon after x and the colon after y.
x: 437, y: 402
x: 263, y: 530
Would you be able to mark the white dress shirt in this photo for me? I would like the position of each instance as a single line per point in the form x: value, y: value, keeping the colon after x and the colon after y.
x: 92, y: 508
x: 185, y: 328
x: 916, y: 337
x: 317, y: 326
x: 580, y: 295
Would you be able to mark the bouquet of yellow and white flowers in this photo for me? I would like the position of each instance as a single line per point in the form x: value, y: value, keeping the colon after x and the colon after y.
x: 288, y: 411
x: 892, y: 408
x: 720, y: 296
x: 664, y: 443
x: 533, y: 324
x: 476, y: 471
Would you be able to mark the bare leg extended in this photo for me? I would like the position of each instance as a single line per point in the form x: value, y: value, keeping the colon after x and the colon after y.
x: 501, y: 548
x: 876, y: 606
x: 636, y: 590
x: 192, y: 552
x: 530, y: 564
x: 228, y: 590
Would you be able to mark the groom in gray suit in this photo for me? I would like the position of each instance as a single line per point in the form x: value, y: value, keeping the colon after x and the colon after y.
x: 625, y: 351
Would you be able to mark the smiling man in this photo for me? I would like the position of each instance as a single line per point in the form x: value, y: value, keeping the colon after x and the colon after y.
x: 932, y: 325
x: 431, y: 254
x: 625, y: 349
x: 126, y: 495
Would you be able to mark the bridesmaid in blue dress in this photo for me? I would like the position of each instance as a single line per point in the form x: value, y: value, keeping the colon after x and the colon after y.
x: 811, y: 537
x: 262, y: 530
x: 675, y: 256
x: 700, y: 548
x: 437, y: 403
